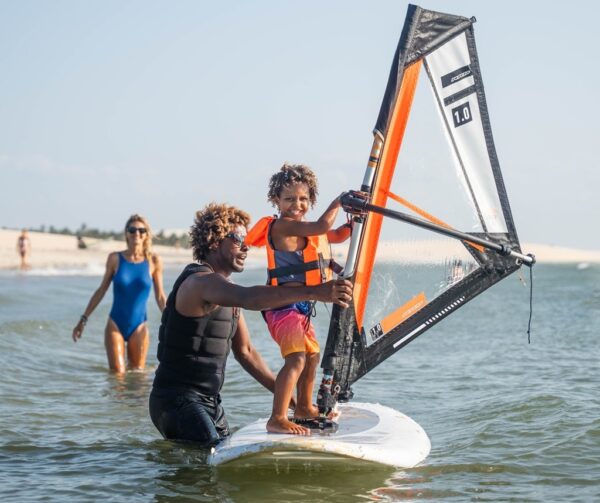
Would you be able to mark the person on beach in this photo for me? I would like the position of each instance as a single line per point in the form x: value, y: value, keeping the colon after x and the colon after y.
x: 24, y: 249
x: 203, y: 321
x: 132, y: 272
x: 298, y: 254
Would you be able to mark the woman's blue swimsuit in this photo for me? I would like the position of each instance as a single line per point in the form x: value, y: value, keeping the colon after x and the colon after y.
x: 131, y: 289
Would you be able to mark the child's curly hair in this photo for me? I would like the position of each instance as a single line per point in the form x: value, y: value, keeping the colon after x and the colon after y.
x: 290, y: 174
x: 212, y: 224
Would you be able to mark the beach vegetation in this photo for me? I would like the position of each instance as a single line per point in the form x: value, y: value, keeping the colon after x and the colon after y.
x: 178, y: 240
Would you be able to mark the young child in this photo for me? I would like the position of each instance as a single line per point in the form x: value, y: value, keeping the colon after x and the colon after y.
x: 298, y: 253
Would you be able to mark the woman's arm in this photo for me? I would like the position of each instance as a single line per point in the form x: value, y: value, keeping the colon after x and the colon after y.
x: 111, y: 268
x: 157, y: 279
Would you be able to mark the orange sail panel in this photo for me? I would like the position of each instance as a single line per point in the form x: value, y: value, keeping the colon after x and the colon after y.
x: 383, y: 180
x: 396, y: 317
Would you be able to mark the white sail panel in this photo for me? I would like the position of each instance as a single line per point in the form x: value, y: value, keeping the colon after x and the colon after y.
x: 407, y: 275
x: 450, y: 72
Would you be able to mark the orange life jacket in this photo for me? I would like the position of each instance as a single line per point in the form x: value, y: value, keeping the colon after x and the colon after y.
x: 317, y: 263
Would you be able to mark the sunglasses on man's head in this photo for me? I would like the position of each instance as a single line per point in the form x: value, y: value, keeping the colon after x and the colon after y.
x: 133, y: 230
x: 238, y: 239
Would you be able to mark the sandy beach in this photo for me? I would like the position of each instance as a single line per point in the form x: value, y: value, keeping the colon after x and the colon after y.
x: 55, y: 251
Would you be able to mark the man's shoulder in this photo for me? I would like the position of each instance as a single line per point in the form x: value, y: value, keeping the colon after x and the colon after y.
x: 199, y: 274
x: 198, y: 288
x: 195, y: 267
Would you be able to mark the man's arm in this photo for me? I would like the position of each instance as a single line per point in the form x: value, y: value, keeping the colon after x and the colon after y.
x: 216, y: 290
x: 249, y: 358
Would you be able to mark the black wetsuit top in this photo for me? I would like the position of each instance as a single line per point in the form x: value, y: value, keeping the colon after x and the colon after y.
x: 192, y: 353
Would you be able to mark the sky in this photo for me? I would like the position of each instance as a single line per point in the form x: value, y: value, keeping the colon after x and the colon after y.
x: 109, y: 108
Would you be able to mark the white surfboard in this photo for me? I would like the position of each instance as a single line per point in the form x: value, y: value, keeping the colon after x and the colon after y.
x: 369, y: 432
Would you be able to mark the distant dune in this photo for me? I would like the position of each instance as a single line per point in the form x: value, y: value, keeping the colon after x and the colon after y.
x: 61, y: 252
x: 432, y: 251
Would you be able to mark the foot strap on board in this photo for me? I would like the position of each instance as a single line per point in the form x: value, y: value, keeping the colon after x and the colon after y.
x: 317, y: 423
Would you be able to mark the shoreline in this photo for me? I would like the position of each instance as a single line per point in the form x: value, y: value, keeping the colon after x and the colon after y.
x: 60, y: 252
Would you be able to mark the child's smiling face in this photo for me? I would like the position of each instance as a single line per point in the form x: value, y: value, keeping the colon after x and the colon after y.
x: 293, y: 201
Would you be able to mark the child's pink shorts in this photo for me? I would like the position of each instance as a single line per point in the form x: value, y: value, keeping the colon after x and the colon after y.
x: 292, y: 331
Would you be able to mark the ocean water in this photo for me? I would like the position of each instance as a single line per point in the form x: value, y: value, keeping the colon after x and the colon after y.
x: 508, y: 420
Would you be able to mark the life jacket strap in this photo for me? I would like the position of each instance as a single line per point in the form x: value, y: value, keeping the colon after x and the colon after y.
x: 328, y: 263
x: 288, y: 270
x: 323, y: 268
x: 335, y: 267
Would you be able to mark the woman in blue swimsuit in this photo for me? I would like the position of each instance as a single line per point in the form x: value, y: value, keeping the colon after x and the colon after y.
x: 132, y: 273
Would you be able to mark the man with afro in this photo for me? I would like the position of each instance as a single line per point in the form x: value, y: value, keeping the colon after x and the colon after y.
x: 203, y: 321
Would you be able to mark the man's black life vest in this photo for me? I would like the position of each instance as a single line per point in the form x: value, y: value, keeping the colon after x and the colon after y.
x: 192, y: 352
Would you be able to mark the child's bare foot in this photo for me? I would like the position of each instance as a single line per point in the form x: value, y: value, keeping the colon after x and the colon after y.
x: 284, y: 425
x: 306, y: 412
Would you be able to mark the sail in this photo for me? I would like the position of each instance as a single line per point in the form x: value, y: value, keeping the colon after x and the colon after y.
x: 460, y: 195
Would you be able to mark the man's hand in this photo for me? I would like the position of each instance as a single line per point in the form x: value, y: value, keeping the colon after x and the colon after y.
x: 338, y: 291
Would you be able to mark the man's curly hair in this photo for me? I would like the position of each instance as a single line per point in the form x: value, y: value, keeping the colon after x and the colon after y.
x: 290, y: 174
x: 212, y: 224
